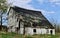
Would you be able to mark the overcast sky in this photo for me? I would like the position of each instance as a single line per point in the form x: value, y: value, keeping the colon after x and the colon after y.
x: 49, y: 8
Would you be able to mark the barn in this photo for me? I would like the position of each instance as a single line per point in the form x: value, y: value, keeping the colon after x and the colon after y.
x: 30, y: 22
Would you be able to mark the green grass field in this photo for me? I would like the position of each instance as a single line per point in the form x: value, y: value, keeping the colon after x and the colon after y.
x: 14, y: 35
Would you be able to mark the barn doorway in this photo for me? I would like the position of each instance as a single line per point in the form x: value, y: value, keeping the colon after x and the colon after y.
x: 51, y: 32
x: 34, y: 30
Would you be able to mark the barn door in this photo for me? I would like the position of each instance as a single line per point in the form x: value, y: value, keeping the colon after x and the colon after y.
x: 34, y: 31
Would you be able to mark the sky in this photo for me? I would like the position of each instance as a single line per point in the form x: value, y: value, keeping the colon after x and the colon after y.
x: 4, y: 19
x: 49, y: 8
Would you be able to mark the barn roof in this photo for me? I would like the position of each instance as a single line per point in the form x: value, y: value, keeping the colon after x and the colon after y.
x: 44, y: 20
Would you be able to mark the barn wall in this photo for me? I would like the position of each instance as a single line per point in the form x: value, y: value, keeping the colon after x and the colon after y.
x: 41, y: 31
x: 21, y: 30
x: 53, y: 31
x: 29, y: 30
x: 11, y: 29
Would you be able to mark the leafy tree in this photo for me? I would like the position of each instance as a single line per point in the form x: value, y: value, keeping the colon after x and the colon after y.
x: 3, y: 8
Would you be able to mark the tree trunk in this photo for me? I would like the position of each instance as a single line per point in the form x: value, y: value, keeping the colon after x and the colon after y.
x: 1, y: 23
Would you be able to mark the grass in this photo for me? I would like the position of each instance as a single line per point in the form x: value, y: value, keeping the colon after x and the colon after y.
x: 14, y: 35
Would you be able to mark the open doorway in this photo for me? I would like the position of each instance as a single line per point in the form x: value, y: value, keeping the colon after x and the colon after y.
x: 34, y: 30
x: 51, y: 31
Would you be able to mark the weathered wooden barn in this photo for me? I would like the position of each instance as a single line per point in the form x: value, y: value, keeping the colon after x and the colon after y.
x: 25, y: 21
